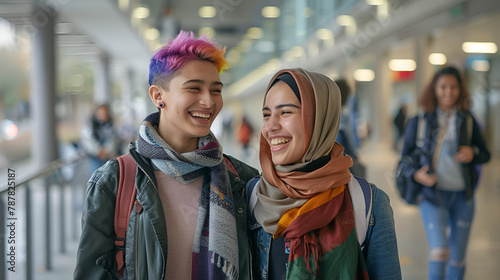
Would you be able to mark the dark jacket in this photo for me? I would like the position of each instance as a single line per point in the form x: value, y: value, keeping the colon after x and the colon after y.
x: 469, y: 170
x: 146, y: 242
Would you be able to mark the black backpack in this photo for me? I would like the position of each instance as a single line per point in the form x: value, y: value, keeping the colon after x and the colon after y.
x: 408, y: 188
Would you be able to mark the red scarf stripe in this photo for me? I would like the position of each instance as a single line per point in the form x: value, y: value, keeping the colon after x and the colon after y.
x: 332, y: 222
x: 311, y: 204
x: 341, y: 227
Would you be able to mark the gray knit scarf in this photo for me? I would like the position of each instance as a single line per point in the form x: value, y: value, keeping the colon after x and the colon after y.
x: 215, y: 248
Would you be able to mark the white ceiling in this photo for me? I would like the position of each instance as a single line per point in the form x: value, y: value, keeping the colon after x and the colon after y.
x: 93, y: 27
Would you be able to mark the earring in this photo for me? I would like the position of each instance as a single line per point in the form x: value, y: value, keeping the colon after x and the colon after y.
x: 161, y: 105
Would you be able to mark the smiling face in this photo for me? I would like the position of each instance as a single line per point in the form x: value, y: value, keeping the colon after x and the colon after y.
x: 282, y: 126
x: 447, y: 91
x: 192, y: 101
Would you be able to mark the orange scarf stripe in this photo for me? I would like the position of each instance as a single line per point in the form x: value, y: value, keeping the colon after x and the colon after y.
x: 311, y: 204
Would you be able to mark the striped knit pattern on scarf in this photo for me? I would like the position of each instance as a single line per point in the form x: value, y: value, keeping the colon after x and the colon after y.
x: 323, y: 241
x: 215, y: 247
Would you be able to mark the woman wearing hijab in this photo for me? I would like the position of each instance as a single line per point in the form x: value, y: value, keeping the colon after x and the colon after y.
x: 304, y: 224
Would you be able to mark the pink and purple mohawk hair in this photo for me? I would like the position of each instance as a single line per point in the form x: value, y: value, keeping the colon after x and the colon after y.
x: 181, y: 50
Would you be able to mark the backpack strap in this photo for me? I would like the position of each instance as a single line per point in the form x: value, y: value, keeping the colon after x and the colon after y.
x: 251, y: 192
x: 361, y: 197
x: 230, y: 167
x: 421, y: 126
x: 125, y: 197
x: 470, y: 124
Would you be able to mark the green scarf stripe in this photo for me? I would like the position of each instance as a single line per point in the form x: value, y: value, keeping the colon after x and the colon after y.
x: 341, y: 262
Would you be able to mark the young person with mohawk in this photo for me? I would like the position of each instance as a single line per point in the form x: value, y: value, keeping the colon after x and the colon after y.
x: 189, y: 218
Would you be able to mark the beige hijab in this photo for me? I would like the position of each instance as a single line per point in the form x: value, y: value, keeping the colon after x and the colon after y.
x: 282, y: 188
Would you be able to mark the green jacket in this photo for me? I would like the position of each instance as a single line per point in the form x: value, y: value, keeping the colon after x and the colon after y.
x: 146, y: 242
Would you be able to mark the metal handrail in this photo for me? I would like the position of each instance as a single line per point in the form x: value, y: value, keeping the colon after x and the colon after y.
x: 42, y: 173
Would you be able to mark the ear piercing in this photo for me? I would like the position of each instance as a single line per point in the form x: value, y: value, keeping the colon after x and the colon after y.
x: 161, y: 105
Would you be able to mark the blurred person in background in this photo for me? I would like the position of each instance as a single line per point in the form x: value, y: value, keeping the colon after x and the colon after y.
x: 189, y: 219
x: 452, y: 149
x: 99, y: 138
x: 302, y: 221
x: 245, y: 133
x: 399, y: 123
x: 345, y: 136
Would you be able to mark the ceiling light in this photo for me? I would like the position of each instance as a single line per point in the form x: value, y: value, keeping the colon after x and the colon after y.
x: 233, y: 56
x: 123, y: 4
x: 364, y: 75
x: 334, y: 76
x: 308, y: 12
x: 437, y: 59
x: 383, y: 11
x: 270, y: 12
x: 298, y: 51
x: 207, y: 12
x: 479, y: 47
x: 313, y: 49
x: 152, y: 34
x: 61, y: 28
x: 140, y: 12
x: 244, y: 45
x: 376, y: 2
x: 324, y: 34
x: 254, y: 32
x: 480, y: 65
x: 402, y: 65
x: 345, y: 20
x: 208, y: 31
x: 156, y: 46
x: 288, y: 55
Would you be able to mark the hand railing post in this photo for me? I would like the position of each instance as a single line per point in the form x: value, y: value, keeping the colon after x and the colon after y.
x: 48, y: 222
x: 3, y: 234
x: 74, y: 221
x: 62, y: 218
x: 29, y: 235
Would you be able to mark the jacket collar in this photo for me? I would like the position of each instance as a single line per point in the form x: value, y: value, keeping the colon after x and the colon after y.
x: 142, y: 162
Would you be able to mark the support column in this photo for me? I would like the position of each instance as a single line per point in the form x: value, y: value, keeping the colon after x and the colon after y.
x: 425, y: 71
x: 127, y: 96
x: 382, y: 129
x: 43, y: 87
x: 43, y: 93
x: 102, y: 88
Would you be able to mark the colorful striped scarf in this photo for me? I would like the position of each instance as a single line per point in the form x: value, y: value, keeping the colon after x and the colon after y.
x: 215, y: 248
x: 323, y: 242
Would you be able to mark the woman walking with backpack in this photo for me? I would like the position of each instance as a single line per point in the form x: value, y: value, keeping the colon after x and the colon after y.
x: 452, y: 148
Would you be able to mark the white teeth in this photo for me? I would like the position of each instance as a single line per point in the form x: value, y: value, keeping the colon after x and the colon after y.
x: 200, y: 115
x: 279, y: 141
